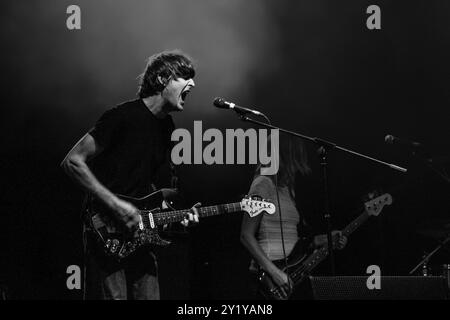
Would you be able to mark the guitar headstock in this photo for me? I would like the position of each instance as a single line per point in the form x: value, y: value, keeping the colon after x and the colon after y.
x: 375, y: 205
x: 254, y: 206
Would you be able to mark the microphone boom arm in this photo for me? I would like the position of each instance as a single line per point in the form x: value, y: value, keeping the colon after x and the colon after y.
x: 326, y: 144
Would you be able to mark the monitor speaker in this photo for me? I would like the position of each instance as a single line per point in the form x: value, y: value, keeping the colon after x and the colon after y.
x: 391, y: 288
x: 3, y: 292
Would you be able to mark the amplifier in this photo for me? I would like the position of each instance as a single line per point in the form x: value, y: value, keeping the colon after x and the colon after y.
x: 391, y: 288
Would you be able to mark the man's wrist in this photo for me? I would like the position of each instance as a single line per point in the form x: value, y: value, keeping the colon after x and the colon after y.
x: 111, y: 200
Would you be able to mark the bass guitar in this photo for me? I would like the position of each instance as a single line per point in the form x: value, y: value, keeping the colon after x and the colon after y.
x: 299, y: 265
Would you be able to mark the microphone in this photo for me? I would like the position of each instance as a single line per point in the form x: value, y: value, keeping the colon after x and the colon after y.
x: 221, y: 103
x: 390, y: 139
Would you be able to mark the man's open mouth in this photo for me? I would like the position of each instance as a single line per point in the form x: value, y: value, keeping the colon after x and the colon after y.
x: 184, y: 94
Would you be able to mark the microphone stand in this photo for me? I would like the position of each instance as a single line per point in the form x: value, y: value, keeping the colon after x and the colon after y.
x: 428, y: 163
x: 324, y: 148
x: 427, y: 257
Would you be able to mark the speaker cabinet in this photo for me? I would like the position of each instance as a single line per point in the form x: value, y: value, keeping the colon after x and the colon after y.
x: 391, y: 288
x: 3, y: 292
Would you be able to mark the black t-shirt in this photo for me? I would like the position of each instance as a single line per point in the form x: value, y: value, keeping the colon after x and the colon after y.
x: 136, y: 149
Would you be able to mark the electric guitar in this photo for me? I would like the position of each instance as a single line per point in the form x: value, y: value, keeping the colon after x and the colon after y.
x: 300, y: 265
x: 153, y: 214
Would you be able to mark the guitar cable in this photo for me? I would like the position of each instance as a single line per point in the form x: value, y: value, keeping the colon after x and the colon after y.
x: 282, y: 232
x: 280, y: 215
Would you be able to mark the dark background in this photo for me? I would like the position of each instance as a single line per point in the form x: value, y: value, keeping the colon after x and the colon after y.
x: 311, y: 66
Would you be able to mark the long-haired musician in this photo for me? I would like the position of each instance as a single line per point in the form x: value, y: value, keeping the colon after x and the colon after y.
x: 261, y: 235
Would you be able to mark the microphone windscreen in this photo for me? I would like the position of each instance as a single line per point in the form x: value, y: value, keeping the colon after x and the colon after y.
x: 220, y: 103
x: 389, y: 139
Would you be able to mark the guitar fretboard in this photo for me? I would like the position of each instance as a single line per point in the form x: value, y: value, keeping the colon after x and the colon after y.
x: 351, y: 227
x: 320, y: 254
x: 165, y: 217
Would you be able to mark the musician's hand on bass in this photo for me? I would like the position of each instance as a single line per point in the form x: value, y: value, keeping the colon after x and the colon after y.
x: 282, y: 280
x: 127, y: 214
x: 340, y: 241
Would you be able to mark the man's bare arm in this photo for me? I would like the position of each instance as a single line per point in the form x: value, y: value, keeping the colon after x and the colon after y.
x: 75, y: 165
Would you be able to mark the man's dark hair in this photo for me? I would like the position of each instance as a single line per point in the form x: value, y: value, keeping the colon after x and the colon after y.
x: 168, y: 65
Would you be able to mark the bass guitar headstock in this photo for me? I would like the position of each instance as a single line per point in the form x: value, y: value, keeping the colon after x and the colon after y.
x: 375, y: 205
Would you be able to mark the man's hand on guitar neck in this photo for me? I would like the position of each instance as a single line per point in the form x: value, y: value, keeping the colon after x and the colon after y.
x: 192, y: 217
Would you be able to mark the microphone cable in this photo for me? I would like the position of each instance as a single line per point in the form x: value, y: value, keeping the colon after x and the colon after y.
x: 218, y: 102
x: 279, y: 212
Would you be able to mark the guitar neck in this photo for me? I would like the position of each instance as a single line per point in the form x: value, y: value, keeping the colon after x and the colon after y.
x: 164, y: 217
x: 320, y: 254
x: 355, y: 224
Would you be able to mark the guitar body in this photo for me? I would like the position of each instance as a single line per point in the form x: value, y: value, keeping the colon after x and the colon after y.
x: 300, y: 264
x: 154, y: 212
x: 117, y: 242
